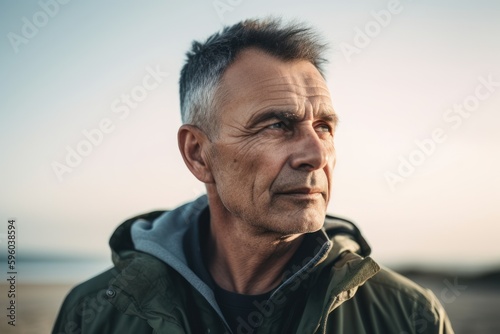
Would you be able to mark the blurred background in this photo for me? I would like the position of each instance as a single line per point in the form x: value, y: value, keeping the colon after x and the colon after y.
x: 90, y: 111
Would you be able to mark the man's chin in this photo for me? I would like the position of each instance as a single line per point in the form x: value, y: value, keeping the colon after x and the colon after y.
x: 302, y: 225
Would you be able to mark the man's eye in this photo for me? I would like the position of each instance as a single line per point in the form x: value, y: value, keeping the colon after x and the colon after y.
x: 324, y: 128
x: 277, y: 125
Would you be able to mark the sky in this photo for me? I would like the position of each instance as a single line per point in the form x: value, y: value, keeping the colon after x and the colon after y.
x: 90, y: 111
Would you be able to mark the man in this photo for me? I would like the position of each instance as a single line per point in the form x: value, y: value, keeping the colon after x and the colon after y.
x: 256, y: 254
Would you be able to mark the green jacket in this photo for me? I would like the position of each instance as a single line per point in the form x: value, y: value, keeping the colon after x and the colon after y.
x: 344, y: 292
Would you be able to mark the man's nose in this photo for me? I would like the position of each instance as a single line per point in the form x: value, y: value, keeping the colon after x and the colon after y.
x: 309, y: 151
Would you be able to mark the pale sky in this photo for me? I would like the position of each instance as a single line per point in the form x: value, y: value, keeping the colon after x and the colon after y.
x: 400, y: 72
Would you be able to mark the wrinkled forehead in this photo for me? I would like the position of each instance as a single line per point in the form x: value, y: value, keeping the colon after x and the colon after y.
x: 254, y: 66
x: 297, y: 83
x: 256, y: 76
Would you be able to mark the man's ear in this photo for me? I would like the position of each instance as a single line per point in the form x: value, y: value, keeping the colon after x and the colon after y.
x: 192, y: 141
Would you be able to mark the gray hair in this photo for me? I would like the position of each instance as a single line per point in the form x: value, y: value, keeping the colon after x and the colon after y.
x: 206, y: 62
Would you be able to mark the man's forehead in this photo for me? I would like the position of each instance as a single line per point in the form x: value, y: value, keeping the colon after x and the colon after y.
x: 304, y: 86
x: 308, y: 80
x: 255, y: 66
x: 258, y: 73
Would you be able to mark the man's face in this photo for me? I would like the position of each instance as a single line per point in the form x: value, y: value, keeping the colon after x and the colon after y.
x: 273, y: 155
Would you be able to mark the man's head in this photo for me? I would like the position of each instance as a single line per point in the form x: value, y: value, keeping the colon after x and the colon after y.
x: 266, y: 151
x: 206, y: 62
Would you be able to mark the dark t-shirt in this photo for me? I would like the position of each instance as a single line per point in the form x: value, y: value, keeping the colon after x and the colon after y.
x: 241, y: 311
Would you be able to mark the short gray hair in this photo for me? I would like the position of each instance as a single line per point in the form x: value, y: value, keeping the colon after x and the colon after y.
x: 206, y: 62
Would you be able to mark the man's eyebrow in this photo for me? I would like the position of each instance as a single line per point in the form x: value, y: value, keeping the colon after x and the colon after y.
x: 327, y: 115
x: 272, y: 114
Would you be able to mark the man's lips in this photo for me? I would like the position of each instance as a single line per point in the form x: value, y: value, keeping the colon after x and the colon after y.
x: 302, y: 192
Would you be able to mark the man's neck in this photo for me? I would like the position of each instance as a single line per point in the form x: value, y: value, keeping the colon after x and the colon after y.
x: 246, y: 261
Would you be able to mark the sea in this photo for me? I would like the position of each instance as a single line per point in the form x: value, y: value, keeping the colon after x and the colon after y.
x: 59, y: 272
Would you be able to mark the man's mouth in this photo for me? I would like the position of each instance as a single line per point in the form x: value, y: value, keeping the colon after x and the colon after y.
x: 303, y: 193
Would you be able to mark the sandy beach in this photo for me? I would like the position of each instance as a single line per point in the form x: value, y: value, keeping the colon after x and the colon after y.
x: 36, y: 308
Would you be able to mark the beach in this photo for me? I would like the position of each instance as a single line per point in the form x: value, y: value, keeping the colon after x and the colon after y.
x: 36, y: 307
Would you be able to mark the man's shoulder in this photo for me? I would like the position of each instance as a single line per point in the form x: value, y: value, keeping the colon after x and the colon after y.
x: 92, y: 287
x: 392, y: 283
x: 391, y: 303
x: 404, y: 303
x: 84, y: 304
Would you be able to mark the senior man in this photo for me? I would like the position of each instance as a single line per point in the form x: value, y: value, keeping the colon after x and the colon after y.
x: 257, y: 254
